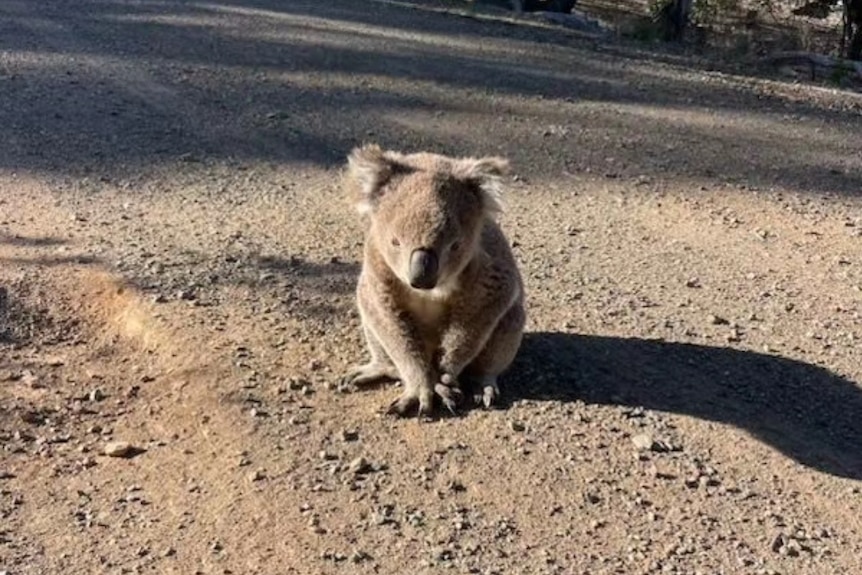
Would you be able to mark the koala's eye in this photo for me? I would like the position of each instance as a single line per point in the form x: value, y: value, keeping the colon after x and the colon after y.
x: 455, y: 246
x: 395, y: 242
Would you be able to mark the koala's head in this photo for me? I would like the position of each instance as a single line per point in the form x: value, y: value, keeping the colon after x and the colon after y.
x: 426, y: 211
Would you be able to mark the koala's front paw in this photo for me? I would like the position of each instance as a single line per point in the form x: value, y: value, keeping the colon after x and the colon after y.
x: 412, y: 398
x: 370, y: 373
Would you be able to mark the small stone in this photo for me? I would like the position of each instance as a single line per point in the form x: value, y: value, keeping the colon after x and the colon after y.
x: 359, y: 556
x: 121, y: 449
x: 169, y: 552
x: 314, y: 525
x: 359, y: 466
x: 517, y: 426
x: 777, y: 543
x: 186, y: 295
x: 31, y: 379
x: 96, y: 395
x: 349, y: 435
x: 717, y: 320
x: 296, y: 384
x: 32, y: 417
x: 456, y: 486
x: 643, y: 441
x: 257, y: 475
x: 692, y: 283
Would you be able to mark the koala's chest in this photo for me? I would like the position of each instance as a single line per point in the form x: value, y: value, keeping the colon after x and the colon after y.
x: 430, y: 314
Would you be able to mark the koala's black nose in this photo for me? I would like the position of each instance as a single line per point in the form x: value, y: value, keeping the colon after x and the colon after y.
x: 423, y: 269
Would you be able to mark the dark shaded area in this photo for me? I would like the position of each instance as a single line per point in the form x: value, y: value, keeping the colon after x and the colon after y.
x: 23, y: 320
x: 26, y: 241
x: 148, y: 84
x: 807, y: 412
x: 318, y: 290
x: 50, y: 260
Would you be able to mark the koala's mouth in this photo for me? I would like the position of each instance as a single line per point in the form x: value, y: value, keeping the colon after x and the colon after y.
x: 424, y: 267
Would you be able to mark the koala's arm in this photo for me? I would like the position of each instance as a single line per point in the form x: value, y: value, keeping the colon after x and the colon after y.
x: 474, y: 318
x: 398, y: 336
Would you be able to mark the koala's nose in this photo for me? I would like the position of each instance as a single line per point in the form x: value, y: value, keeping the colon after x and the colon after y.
x: 423, y: 269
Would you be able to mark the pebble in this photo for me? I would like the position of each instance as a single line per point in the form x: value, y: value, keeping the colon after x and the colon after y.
x: 517, y: 426
x: 643, y: 441
x: 96, y: 395
x: 121, y: 449
x: 296, y: 384
x: 32, y: 380
x: 349, y: 435
x: 359, y: 466
x: 186, y: 294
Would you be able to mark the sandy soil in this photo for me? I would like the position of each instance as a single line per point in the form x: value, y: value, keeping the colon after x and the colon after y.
x: 177, y: 266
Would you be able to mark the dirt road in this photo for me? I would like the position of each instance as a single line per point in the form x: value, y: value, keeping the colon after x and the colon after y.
x: 177, y: 266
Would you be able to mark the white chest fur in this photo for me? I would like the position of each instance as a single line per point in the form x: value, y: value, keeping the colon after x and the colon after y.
x: 429, y: 308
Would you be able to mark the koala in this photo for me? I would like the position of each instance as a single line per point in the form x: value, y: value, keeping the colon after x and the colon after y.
x: 440, y: 295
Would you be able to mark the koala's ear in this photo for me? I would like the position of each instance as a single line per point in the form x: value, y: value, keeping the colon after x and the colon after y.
x: 368, y: 169
x: 485, y: 174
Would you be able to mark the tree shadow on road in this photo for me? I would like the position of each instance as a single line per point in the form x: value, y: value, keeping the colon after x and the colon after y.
x: 16, y: 240
x: 151, y: 94
x: 807, y: 412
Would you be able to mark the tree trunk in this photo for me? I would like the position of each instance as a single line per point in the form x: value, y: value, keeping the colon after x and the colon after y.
x: 853, y: 28
x: 672, y: 19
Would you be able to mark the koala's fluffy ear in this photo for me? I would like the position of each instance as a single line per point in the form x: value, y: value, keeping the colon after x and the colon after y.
x: 485, y: 174
x: 368, y: 169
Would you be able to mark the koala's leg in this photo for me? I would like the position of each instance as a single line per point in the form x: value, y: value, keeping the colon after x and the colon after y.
x: 496, y: 356
x: 403, y: 345
x: 475, y: 321
x: 379, y: 369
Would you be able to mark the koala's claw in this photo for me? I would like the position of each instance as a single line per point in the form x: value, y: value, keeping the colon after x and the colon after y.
x: 449, y: 396
x: 403, y: 405
x: 408, y: 402
x: 487, y: 395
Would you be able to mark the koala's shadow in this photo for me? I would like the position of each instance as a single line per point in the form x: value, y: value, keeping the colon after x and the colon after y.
x: 807, y: 412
